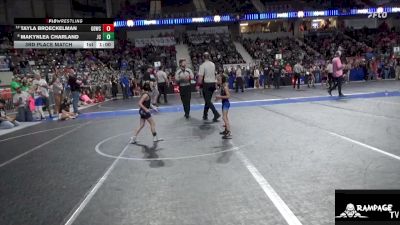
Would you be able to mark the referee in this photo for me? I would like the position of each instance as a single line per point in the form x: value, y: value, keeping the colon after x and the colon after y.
x: 208, y: 79
x: 184, y: 76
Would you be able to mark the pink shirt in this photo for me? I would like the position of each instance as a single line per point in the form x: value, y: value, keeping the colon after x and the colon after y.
x: 337, y: 67
x: 85, y: 98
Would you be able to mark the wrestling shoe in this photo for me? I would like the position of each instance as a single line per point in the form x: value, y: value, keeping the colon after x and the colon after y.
x: 157, y: 139
x: 133, y: 140
x: 227, y: 135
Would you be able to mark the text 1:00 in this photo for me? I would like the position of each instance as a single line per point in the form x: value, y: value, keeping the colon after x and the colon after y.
x: 105, y: 44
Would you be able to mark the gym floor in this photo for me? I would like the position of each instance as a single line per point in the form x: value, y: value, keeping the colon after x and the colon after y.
x: 289, y: 151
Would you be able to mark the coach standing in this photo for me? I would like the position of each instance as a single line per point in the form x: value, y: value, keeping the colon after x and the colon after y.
x: 337, y: 67
x: 163, y: 84
x: 239, y: 80
x: 184, y: 76
x: 208, y: 79
x: 75, y: 86
x: 298, y: 70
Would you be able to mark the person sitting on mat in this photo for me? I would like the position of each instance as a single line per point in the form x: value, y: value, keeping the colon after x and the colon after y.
x: 65, y: 110
x: 6, y: 122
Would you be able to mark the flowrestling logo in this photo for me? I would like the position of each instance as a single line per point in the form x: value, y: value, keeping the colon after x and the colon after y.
x: 367, y: 206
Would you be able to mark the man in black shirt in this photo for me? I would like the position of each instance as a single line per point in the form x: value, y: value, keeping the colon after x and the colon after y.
x: 277, y: 74
x: 147, y: 75
x: 75, y: 86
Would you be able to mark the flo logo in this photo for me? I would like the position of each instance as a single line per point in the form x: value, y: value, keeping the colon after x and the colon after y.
x: 350, y: 212
x: 379, y: 15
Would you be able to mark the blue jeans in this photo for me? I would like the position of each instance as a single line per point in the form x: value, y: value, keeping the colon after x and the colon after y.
x: 8, y: 124
x: 75, y: 100
x: 386, y: 74
x: 317, y: 77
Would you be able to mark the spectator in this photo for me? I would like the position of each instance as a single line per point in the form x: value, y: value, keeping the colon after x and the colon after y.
x: 124, y: 82
x: 114, y: 87
x: 277, y: 74
x: 39, y: 103
x: 65, y: 110
x: 57, y: 88
x: 239, y: 80
x: 6, y: 122
x: 99, y: 97
x: 298, y: 70
x: 75, y: 86
x: 40, y: 85
x: 220, y: 47
x: 14, y: 84
x: 163, y: 84
x: 21, y: 100
x: 85, y: 98
x: 256, y: 77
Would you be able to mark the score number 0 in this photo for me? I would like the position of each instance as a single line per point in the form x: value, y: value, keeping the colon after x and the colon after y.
x: 108, y: 27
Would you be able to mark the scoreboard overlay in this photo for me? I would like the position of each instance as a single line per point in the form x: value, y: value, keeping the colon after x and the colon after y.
x: 89, y: 33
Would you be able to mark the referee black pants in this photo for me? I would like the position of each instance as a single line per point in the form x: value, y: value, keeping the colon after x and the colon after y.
x: 277, y: 80
x: 208, y: 91
x: 186, y: 95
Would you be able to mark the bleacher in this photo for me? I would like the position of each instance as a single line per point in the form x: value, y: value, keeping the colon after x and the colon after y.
x: 136, y: 10
x: 178, y: 8
x: 291, y: 50
x: 221, y: 6
x: 220, y: 47
x: 327, y: 43
x: 382, y: 40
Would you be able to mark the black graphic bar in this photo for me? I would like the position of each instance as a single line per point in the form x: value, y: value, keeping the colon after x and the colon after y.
x: 63, y: 20
x: 367, y: 207
x: 59, y: 28
x: 57, y: 36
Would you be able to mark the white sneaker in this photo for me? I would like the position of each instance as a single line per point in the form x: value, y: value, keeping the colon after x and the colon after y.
x: 156, y: 139
x: 133, y: 140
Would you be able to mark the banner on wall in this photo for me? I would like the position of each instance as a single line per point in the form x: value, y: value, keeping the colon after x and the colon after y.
x: 396, y: 51
x: 242, y: 65
x: 361, y: 23
x: 4, y: 66
x: 159, y: 41
x: 5, y: 78
x: 213, y: 30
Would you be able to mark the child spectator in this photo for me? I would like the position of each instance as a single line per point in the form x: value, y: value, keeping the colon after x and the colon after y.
x: 85, y: 98
x: 39, y: 104
x: 99, y: 97
x: 6, y: 122
x: 65, y: 110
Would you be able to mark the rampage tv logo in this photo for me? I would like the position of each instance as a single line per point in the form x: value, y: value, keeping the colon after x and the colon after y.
x: 359, y: 211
